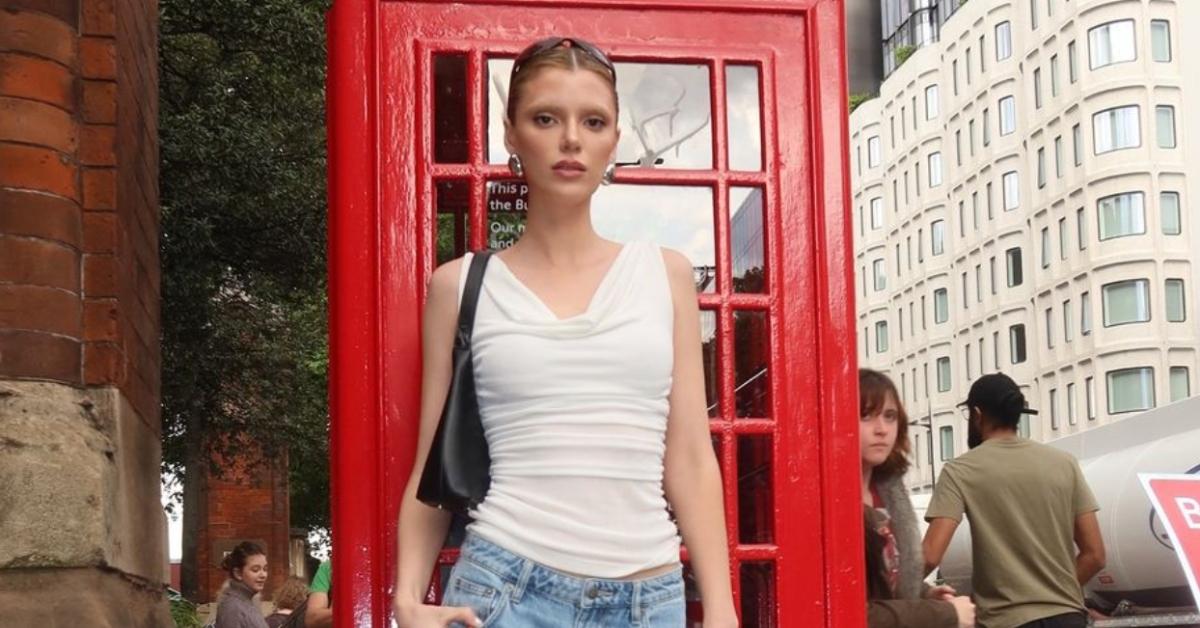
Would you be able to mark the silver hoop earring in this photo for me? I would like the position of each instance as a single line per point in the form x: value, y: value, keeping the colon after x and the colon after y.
x: 610, y: 173
x: 514, y: 165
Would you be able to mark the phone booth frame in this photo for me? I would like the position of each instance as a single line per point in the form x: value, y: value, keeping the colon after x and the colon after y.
x: 379, y: 262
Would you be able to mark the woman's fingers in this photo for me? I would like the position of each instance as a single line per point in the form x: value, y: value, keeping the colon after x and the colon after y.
x: 460, y: 614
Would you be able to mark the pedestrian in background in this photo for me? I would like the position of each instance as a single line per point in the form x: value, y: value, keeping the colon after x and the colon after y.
x: 897, y: 594
x: 247, y: 569
x: 1029, y: 508
x: 319, y: 609
x: 289, y: 602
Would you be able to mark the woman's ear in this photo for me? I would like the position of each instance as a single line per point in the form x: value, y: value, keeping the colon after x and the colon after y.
x: 237, y: 574
x: 509, y: 145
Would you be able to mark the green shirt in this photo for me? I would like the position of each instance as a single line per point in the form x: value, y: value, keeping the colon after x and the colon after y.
x: 322, y: 581
x: 1022, y: 499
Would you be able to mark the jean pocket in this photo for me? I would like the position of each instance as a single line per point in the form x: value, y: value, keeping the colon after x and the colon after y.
x: 476, y: 588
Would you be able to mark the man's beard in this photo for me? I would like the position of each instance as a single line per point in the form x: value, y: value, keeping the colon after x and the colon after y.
x: 974, y: 436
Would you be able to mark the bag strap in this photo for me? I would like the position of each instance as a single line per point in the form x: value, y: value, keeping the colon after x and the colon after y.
x: 470, y: 298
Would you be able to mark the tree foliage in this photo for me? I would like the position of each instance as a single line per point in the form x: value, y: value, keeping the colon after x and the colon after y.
x: 242, y: 143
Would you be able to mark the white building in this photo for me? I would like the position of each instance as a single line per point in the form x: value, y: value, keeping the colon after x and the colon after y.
x: 1021, y: 190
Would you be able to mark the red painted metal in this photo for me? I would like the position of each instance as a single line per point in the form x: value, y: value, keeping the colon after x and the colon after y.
x: 382, y: 198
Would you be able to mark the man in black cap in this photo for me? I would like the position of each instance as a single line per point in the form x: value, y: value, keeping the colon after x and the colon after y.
x: 1029, y: 508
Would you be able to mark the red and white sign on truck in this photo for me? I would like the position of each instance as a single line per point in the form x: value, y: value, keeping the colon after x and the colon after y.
x: 1176, y: 499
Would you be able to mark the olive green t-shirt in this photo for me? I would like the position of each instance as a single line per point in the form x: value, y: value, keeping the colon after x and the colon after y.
x: 1022, y: 499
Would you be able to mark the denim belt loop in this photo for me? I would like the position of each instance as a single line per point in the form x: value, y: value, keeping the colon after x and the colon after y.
x: 522, y: 580
x: 635, y: 604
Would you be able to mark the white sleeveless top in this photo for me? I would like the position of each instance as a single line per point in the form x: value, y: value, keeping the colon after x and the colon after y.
x: 575, y: 414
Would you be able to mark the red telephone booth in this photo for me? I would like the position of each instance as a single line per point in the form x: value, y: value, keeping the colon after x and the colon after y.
x: 733, y: 151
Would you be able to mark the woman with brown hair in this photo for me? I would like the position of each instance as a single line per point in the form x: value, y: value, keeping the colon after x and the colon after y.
x: 898, y: 596
x: 588, y: 372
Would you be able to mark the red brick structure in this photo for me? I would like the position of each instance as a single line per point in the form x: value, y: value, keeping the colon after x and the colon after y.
x: 247, y: 500
x: 79, y: 314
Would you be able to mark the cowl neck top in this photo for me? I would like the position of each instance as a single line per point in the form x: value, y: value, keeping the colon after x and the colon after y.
x: 575, y: 414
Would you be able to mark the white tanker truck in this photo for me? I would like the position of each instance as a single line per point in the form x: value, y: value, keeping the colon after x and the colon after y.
x: 1142, y: 575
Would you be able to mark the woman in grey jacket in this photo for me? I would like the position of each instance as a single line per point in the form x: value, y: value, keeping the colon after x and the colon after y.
x: 897, y: 594
x: 247, y: 569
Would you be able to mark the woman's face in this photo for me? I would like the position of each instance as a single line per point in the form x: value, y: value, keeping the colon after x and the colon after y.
x: 254, y: 574
x: 565, y: 131
x: 877, y: 432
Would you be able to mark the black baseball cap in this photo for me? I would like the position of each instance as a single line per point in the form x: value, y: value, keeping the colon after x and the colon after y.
x: 998, y: 394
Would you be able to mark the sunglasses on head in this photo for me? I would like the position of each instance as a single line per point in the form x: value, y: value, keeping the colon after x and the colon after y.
x: 540, y: 47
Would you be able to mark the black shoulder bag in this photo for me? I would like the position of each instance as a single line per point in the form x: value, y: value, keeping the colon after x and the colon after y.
x: 457, y: 472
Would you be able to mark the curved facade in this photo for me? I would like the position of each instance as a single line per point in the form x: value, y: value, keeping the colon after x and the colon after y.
x: 1020, y: 192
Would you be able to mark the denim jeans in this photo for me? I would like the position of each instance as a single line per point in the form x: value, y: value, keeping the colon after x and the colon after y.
x: 508, y: 591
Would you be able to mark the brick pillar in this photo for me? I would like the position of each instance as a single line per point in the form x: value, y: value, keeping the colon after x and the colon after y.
x: 79, y: 358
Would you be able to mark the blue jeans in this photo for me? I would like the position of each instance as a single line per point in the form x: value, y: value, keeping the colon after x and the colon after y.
x: 508, y: 591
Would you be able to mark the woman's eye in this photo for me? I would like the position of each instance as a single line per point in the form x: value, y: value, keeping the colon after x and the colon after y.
x: 596, y: 123
x: 543, y: 119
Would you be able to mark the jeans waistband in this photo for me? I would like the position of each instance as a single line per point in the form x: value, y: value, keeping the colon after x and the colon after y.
x: 525, y: 576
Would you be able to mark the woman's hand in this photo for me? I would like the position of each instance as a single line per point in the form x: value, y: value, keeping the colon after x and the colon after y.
x: 965, y: 609
x: 724, y: 620
x: 410, y: 615
x: 942, y: 592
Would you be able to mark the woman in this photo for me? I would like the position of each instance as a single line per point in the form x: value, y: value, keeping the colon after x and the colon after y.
x: 289, y: 599
x: 898, y: 596
x: 589, y: 378
x: 247, y: 569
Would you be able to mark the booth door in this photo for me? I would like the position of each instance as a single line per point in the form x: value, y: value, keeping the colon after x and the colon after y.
x: 731, y: 151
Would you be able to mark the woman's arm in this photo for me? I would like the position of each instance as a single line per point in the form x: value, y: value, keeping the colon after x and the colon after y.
x: 692, y: 480
x: 422, y: 528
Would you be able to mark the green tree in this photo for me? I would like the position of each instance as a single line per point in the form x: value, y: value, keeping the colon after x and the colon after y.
x: 242, y: 143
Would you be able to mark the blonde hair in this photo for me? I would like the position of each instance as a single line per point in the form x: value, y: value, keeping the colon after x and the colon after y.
x: 562, y: 57
x: 291, y: 594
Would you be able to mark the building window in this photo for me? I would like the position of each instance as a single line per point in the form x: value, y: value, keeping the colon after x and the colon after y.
x: 978, y: 284
x: 1116, y: 129
x: 982, y: 55
x: 1012, y: 190
x: 962, y: 221
x: 992, y: 272
x: 995, y: 351
x: 987, y: 128
x: 1130, y: 390
x: 1015, y: 272
x: 1068, y: 333
x: 1058, y: 157
x: 967, y: 66
x: 988, y: 194
x: 1121, y: 215
x: 1126, y: 302
x: 1176, y: 304
x: 1081, y: 228
x: 958, y: 147
x: 1033, y: 14
x: 1037, y: 88
x: 964, y: 289
x: 935, y: 169
x: 943, y: 374
x: 1085, y: 313
x: 1180, y: 383
x: 1160, y: 40
x: 1111, y: 43
x: 873, y: 151
x: 1008, y: 115
x: 967, y: 361
x: 920, y: 245
x: 1164, y: 124
x: 1049, y: 315
x: 946, y: 437
x: 931, y: 102
x: 1045, y: 247
x: 1077, y: 143
x: 941, y: 305
x: 1054, y: 408
x: 880, y: 274
x: 1041, y: 167
x: 1062, y: 238
x: 1016, y: 343
x: 971, y: 136
x: 881, y: 336
x: 1071, y: 403
x: 937, y: 236
x: 1168, y: 203
x: 954, y: 75
x: 1003, y: 41
x: 1072, y: 62
x: 876, y: 213
x: 1089, y: 398
x: 1053, y: 76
